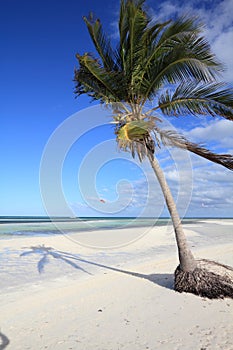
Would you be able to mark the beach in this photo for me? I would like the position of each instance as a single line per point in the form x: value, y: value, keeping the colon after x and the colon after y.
x: 111, y: 289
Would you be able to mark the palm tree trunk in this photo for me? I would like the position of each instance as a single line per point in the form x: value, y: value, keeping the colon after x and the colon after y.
x: 186, y: 258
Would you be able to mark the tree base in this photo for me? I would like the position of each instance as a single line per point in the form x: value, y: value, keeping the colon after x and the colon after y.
x: 209, y: 279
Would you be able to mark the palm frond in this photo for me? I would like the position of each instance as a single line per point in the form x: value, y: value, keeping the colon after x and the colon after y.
x: 146, y: 53
x: 87, y: 84
x: 105, y: 85
x: 203, y: 99
x: 171, y: 138
x: 178, y: 29
x: 124, y: 18
x: 188, y: 58
x: 132, y: 26
x: 102, y: 44
x: 137, y: 24
x: 163, y: 37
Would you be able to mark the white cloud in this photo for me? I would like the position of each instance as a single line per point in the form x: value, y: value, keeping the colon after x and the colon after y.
x: 207, y: 192
x: 223, y: 48
x: 219, y: 131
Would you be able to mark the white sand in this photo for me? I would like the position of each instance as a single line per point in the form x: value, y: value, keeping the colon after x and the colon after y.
x: 64, y: 307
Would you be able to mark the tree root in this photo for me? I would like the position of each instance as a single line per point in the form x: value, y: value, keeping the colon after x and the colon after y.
x: 209, y: 279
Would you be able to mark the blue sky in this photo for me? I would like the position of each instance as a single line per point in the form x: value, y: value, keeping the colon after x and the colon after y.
x: 39, y: 40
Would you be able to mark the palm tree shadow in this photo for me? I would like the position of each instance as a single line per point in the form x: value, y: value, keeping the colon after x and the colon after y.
x: 163, y: 280
x: 47, y: 253
x: 4, y: 341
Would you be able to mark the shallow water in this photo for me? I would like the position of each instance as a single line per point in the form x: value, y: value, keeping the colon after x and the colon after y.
x: 39, y: 226
x: 45, y: 226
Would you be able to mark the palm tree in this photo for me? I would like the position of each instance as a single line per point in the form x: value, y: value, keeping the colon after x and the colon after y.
x: 172, y: 65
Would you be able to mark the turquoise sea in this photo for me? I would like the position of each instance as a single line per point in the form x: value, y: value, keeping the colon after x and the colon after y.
x: 11, y: 226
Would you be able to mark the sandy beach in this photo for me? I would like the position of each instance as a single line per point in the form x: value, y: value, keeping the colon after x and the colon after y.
x: 111, y: 290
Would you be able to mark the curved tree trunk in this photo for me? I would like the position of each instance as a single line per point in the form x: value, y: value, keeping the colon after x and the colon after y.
x: 201, y: 277
x: 186, y: 258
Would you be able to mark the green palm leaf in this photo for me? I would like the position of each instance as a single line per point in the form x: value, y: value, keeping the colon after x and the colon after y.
x: 189, y: 59
x: 102, y: 44
x: 191, y: 98
x: 160, y: 39
x: 106, y: 82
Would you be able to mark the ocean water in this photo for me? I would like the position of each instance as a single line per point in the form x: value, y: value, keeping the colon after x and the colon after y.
x: 12, y: 226
x: 40, y: 226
